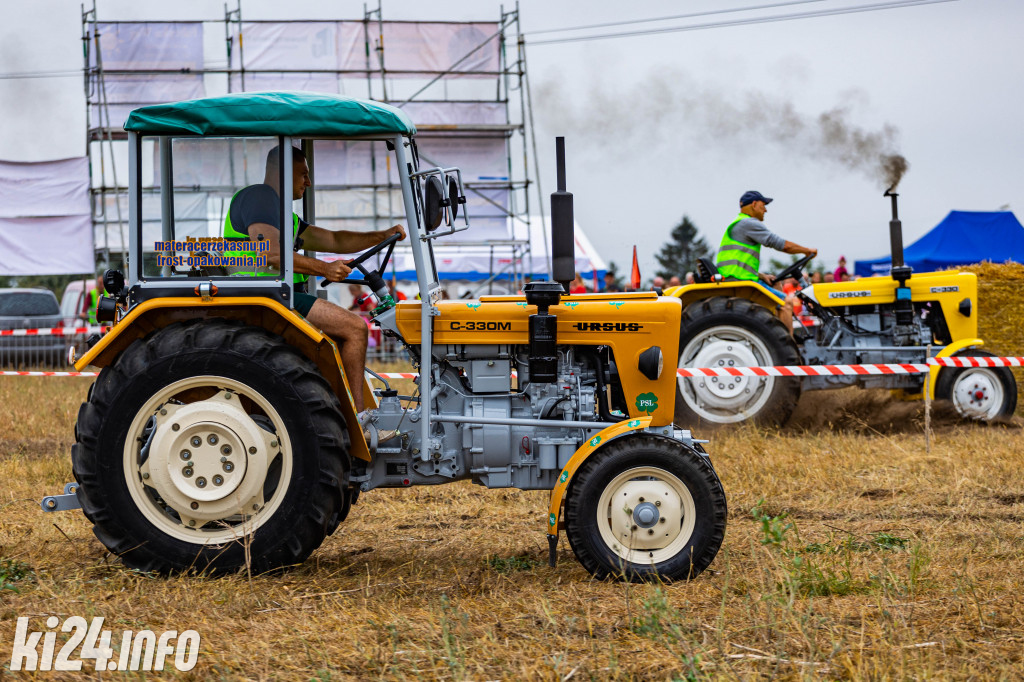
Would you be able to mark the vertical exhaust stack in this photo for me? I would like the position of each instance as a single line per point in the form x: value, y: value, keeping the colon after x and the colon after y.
x: 901, y: 272
x: 563, y: 249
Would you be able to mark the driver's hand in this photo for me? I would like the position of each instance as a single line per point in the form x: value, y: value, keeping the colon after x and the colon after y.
x: 397, y: 229
x: 812, y: 252
x: 769, y: 278
x: 337, y: 271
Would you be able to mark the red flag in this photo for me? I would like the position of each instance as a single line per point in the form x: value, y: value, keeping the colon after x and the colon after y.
x: 634, y: 279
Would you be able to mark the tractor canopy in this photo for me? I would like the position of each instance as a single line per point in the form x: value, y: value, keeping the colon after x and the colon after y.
x: 296, y: 114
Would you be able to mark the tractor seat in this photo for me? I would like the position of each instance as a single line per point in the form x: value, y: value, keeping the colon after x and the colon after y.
x: 707, y: 271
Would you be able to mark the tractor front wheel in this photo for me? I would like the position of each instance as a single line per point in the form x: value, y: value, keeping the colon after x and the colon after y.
x: 211, y: 446
x: 646, y: 507
x: 978, y: 393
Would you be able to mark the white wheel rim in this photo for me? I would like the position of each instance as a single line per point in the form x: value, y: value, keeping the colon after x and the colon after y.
x: 725, y: 400
x: 212, y: 495
x: 646, y: 515
x: 978, y: 394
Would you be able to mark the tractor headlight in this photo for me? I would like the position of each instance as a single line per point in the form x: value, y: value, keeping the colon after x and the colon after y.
x: 651, y: 363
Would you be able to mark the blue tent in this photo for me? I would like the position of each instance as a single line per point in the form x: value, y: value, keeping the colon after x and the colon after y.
x: 962, y: 238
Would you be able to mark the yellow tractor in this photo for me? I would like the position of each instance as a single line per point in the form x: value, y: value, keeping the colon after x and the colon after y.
x: 221, y: 431
x: 903, y: 318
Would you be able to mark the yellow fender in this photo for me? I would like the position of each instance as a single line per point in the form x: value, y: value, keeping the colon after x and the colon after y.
x: 580, y: 456
x: 951, y: 349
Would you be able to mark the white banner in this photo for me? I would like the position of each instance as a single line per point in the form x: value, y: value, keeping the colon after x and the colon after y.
x: 60, y: 245
x: 426, y: 114
x: 47, y: 188
x: 415, y: 46
x: 144, y: 45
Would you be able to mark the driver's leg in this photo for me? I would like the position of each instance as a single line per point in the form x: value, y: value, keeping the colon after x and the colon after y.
x: 349, y: 330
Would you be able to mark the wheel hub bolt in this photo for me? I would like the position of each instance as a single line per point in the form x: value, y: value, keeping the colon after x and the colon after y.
x: 225, y: 449
x: 273, y: 443
x: 212, y: 440
x: 252, y: 449
x: 196, y: 441
x: 194, y: 505
x: 218, y: 479
x: 650, y: 531
x: 186, y: 455
x: 175, y: 427
x: 228, y: 467
x: 187, y: 472
x: 192, y: 522
x: 200, y: 482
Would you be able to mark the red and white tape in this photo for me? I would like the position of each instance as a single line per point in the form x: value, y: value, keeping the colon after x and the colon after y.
x: 780, y: 371
x: 54, y: 331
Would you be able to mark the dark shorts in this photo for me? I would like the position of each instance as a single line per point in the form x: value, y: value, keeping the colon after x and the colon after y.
x: 303, y: 303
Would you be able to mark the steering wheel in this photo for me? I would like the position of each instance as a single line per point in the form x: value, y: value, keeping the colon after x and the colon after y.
x: 370, y: 277
x: 793, y: 269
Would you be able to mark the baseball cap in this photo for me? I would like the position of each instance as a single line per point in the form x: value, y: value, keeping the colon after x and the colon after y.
x: 752, y: 196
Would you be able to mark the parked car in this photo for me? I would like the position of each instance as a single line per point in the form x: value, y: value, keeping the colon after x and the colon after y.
x: 74, y: 304
x: 30, y: 309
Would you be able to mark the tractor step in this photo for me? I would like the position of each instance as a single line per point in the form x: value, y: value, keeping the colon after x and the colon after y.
x: 69, y: 500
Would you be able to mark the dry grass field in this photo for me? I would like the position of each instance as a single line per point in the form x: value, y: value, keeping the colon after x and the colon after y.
x: 851, y: 553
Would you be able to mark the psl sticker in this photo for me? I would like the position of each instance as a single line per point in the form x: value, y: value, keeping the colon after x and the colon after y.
x: 594, y: 441
x: 474, y: 306
x: 564, y: 477
x: 551, y: 519
x: 633, y: 423
x: 647, y: 402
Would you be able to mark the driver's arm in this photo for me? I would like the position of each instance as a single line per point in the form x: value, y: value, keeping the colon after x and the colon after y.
x: 345, y: 241
x: 332, y: 272
x: 793, y: 247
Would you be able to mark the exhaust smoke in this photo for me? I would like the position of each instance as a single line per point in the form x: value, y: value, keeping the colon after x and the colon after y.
x: 671, y: 103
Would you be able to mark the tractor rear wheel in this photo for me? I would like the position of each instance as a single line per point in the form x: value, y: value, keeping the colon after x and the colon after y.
x: 210, y: 446
x: 646, y: 507
x: 978, y: 393
x: 723, y: 332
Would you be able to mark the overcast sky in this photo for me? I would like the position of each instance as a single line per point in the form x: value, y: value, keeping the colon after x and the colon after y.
x: 662, y: 125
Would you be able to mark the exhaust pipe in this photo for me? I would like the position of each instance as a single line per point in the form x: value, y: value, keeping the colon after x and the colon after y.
x: 901, y: 272
x: 563, y: 248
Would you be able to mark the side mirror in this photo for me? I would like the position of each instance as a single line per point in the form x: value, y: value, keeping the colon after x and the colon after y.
x: 113, y: 282
x: 433, y: 211
x: 453, y: 196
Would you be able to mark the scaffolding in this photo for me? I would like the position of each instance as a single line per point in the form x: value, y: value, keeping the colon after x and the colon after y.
x: 463, y: 83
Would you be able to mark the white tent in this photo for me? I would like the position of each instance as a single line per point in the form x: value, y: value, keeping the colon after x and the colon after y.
x: 504, y: 259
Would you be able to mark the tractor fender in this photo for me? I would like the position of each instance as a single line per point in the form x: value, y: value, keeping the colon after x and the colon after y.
x: 950, y: 350
x: 156, y: 313
x: 691, y: 293
x: 598, y: 440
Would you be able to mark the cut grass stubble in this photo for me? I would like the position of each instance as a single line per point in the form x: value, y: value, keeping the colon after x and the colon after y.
x: 850, y: 553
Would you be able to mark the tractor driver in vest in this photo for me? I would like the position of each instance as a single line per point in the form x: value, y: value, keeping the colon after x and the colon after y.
x: 739, y: 256
x: 255, y: 214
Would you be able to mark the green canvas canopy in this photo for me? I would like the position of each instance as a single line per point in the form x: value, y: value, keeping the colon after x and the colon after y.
x: 297, y: 114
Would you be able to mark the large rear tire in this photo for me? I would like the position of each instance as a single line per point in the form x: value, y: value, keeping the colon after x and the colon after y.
x: 734, y: 332
x: 211, y: 446
x: 978, y: 393
x: 645, y: 507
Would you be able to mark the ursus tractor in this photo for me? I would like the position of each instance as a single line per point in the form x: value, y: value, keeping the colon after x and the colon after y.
x: 221, y: 432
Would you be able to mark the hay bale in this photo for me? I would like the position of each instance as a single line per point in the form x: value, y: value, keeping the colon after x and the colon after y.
x: 1001, y: 312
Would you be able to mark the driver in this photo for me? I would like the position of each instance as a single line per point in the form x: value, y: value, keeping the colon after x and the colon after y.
x: 255, y: 213
x: 739, y: 256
